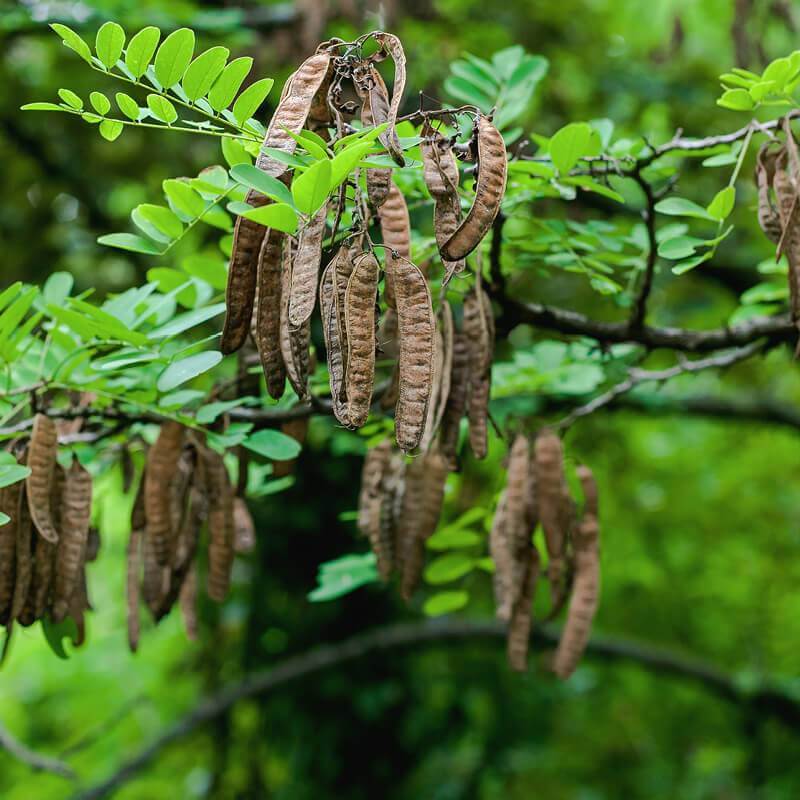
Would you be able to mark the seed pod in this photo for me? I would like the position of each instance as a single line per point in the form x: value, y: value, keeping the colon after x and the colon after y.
x: 297, y: 429
x: 162, y: 466
x: 768, y: 216
x: 46, y: 554
x: 78, y: 605
x: 93, y: 544
x: 368, y: 82
x: 76, y: 513
x: 554, y: 506
x: 585, y: 596
x: 156, y: 578
x: 359, y: 312
x: 305, y: 270
x: 240, y: 291
x: 24, y: 557
x: 268, y: 313
x: 789, y: 242
x: 416, y: 330
x: 331, y: 331
x: 42, y: 461
x: 500, y: 551
x: 220, y: 526
x: 370, y: 500
x: 396, y: 235
x: 391, y: 505
x: 294, y: 342
x: 9, y: 505
x: 440, y: 172
x: 437, y: 369
x: 456, y: 399
x: 478, y: 330
x: 392, y: 45
x: 244, y: 536
x: 188, y: 602
x: 134, y: 565
x: 490, y: 187
x: 519, y: 628
x: 519, y: 531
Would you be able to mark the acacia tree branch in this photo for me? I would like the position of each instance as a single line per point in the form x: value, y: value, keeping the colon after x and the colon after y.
x: 639, y: 311
x: 36, y: 761
x: 765, y: 700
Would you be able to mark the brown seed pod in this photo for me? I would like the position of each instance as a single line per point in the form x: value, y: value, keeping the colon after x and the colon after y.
x: 359, y: 314
x: 368, y: 82
x: 220, y: 526
x: 305, y: 270
x: 332, y: 332
x: 156, y: 578
x: 188, y: 603
x: 585, y: 596
x: 490, y: 187
x: 396, y: 235
x: 297, y: 429
x: 789, y: 242
x: 456, y: 399
x: 294, y: 342
x: 768, y: 216
x: 437, y: 374
x: 75, y: 517
x: 519, y: 627
x: 416, y: 327
x: 555, y: 507
x: 392, y: 45
x: 24, y: 558
x: 244, y: 535
x: 268, y: 312
x: 134, y: 566
x: 520, y: 532
x: 478, y: 328
x: 370, y: 501
x: 500, y: 551
x: 162, y: 466
x: 78, y: 605
x: 241, y: 287
x: 9, y: 505
x: 390, y: 508
x: 42, y: 461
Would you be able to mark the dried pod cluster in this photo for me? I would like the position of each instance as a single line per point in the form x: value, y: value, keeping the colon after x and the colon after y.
x: 45, y: 546
x: 185, y: 489
x: 274, y: 278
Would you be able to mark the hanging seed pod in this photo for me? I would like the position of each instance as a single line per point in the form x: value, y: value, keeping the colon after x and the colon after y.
x: 294, y: 342
x: 42, y: 461
x: 369, y: 504
x: 162, y: 466
x: 241, y: 287
x: 156, y: 579
x: 78, y: 606
x: 519, y: 628
x: 220, y: 526
x: 134, y: 566
x: 520, y: 531
x: 24, y: 556
x: 374, y: 110
x: 9, y: 505
x: 416, y: 331
x: 331, y: 331
x: 244, y: 535
x: 388, y: 346
x: 268, y: 313
x: 456, y: 399
x: 188, y: 603
x: 305, y: 270
x: 391, y: 491
x: 76, y: 511
x: 768, y: 216
x: 46, y: 554
x: 490, y: 187
x: 396, y: 236
x: 586, y: 583
x: 359, y: 312
x: 437, y: 370
x: 297, y: 429
x: 392, y: 45
x: 478, y: 331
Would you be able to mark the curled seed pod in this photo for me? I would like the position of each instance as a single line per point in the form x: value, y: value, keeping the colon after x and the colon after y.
x: 378, y: 178
x: 392, y: 45
x: 585, y: 596
x: 268, y: 312
x: 42, y: 461
x: 162, y: 466
x: 220, y: 526
x: 305, y: 269
x: 23, y: 557
x: 294, y: 342
x: 188, y: 603
x: 240, y: 291
x: 490, y: 187
x: 396, y: 235
x: 519, y: 627
x: 554, y: 506
x: 9, y: 505
x: 244, y: 535
x: 298, y: 430
x: 359, y: 313
x: 370, y: 501
x: 331, y: 331
x: 133, y: 575
x: 416, y: 331
x: 768, y: 216
x: 456, y: 399
x: 478, y: 331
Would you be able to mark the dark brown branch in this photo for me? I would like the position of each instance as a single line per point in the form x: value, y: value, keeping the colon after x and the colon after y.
x: 36, y: 761
x: 639, y: 311
x: 764, y: 700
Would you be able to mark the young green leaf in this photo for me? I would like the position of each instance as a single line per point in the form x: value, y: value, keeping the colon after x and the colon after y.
x: 140, y: 50
x: 250, y: 99
x: 100, y: 103
x: 449, y: 567
x: 572, y: 143
x: 273, y: 444
x: 109, y: 43
x: 57, y: 287
x: 722, y: 204
x: 185, y: 369
x: 736, y: 100
x: 681, y: 207
x: 234, y: 152
x: 183, y: 322
x: 162, y: 219
x: 128, y: 106
x: 254, y: 178
x: 41, y: 107
x: 71, y: 99
x: 203, y: 71
x: 183, y: 198
x: 345, y: 161
x: 129, y: 241
x: 280, y: 216
x: 73, y: 41
x: 161, y: 108
x: 445, y: 603
x: 110, y: 129
x: 227, y: 84
x: 13, y: 473
x: 174, y: 56
x: 210, y: 269
x: 310, y: 190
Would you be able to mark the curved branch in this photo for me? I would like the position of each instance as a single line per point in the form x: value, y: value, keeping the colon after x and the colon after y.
x: 766, y: 701
x: 36, y: 761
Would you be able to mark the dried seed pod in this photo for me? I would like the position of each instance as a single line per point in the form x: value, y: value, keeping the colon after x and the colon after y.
x: 42, y: 461
x: 242, y: 277
x: 585, y: 596
x: 478, y: 330
x: 456, y: 398
x: 297, y: 429
x: 332, y: 332
x: 391, y: 504
x: 437, y: 370
x: 9, y: 505
x: 519, y: 627
x: 416, y: 331
x: 305, y: 270
x: 134, y: 566
x: 789, y: 242
x: 78, y: 605
x: 45, y: 553
x: 156, y: 578
x: 268, y: 312
x: 554, y: 506
x: 490, y: 187
x: 162, y: 466
x: 500, y: 551
x: 244, y: 536
x: 188, y: 603
x: 370, y: 501
x: 24, y: 557
x: 768, y: 216
x: 396, y: 235
x: 369, y: 82
x: 220, y: 526
x: 359, y: 313
x: 294, y: 342
x: 392, y: 45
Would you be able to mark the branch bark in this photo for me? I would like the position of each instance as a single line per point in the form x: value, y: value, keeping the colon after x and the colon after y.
x: 36, y: 761
x: 765, y: 701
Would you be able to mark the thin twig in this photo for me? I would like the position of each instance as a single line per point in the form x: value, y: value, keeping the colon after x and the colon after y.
x: 36, y: 761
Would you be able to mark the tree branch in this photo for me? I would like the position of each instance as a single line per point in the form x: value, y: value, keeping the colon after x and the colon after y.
x: 765, y: 700
x: 639, y: 311
x: 36, y: 761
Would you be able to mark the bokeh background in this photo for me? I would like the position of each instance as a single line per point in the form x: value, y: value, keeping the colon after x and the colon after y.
x: 701, y: 545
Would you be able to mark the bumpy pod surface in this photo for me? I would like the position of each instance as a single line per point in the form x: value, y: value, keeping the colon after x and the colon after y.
x: 268, y: 313
x: 42, y: 454
x: 396, y: 235
x: 305, y: 270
